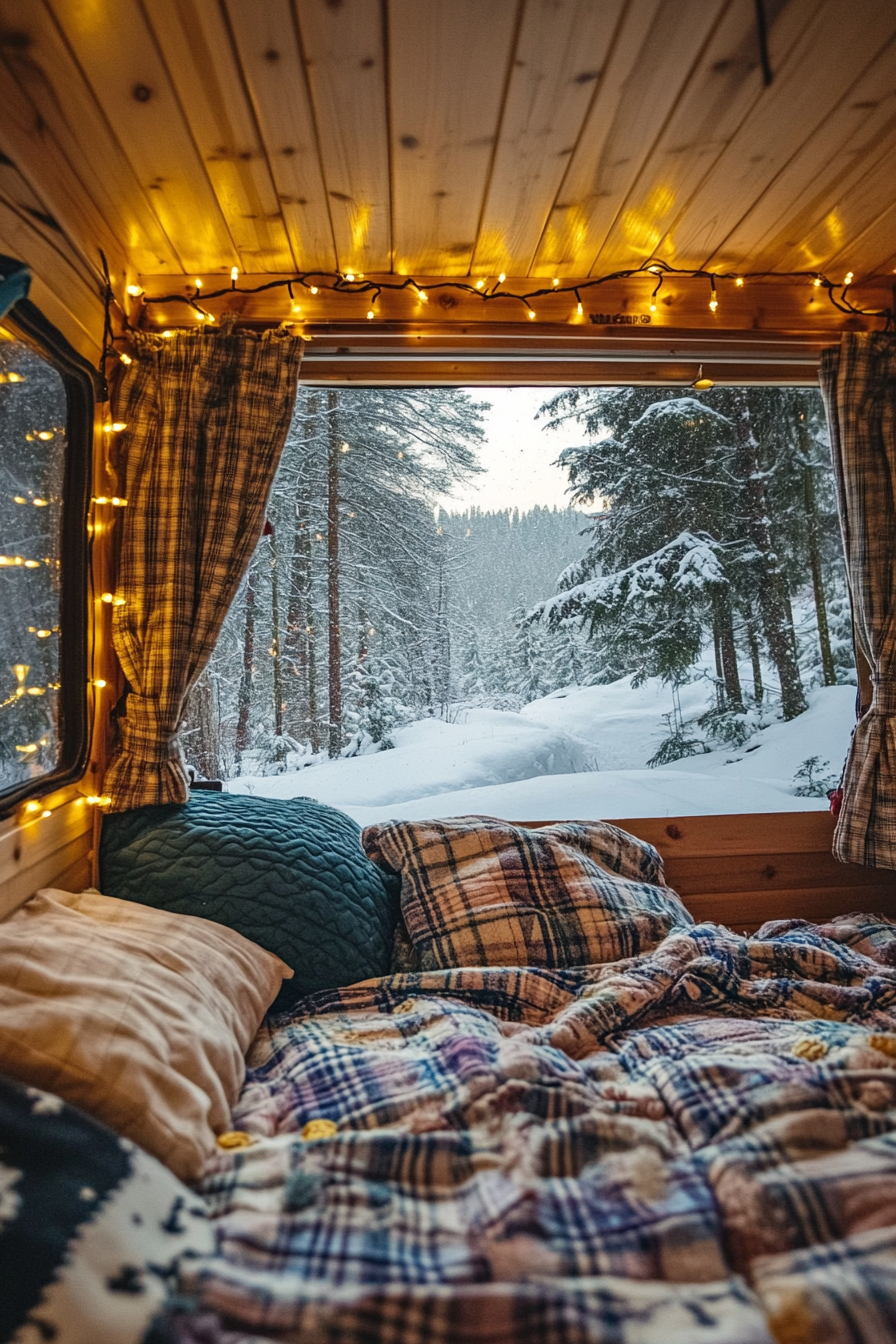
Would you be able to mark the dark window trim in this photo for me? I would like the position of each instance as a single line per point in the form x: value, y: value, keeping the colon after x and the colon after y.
x: 80, y: 384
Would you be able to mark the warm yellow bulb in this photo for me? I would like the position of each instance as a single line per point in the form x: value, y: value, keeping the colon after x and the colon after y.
x: 125, y: 359
x: 107, y: 597
x: 480, y: 284
x: 46, y: 813
x: 370, y: 314
x: 135, y: 291
x: 45, y: 434
x: 314, y: 289
x: 555, y: 282
x: 817, y: 282
x: 579, y: 310
x: 19, y: 499
x: 847, y: 279
x: 99, y: 683
x: 32, y: 564
x: 234, y: 273
x: 197, y: 282
x: 653, y: 307
x: 119, y: 503
x: 168, y: 335
x: 345, y: 448
x: 531, y: 314
x: 32, y: 807
x: 118, y: 426
x: 424, y: 297
x: 297, y: 308
x: 350, y: 277
x: 713, y: 305
x: 501, y: 278
x: 739, y: 282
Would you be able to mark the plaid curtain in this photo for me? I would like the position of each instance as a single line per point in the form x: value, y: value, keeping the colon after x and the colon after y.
x: 858, y: 382
x: 207, y: 414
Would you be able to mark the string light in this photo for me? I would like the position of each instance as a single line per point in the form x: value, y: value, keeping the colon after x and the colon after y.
x: 135, y: 291
x: 700, y: 383
x: 98, y: 682
x: 98, y: 799
x: 197, y: 282
x: 370, y: 314
x: 107, y: 597
x: 531, y: 314
x: 337, y: 283
x: 234, y: 274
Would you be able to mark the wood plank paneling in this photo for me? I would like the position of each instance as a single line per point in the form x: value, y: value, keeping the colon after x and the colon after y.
x: 118, y: 54
x: 36, y: 854
x: 274, y: 73
x: 447, y: 69
x: 653, y: 55
x: 196, y: 45
x: 60, y: 139
x: 561, y: 53
x: 346, y: 61
x: 797, y: 221
x: 835, y: 48
x: 725, y: 87
x: 745, y: 911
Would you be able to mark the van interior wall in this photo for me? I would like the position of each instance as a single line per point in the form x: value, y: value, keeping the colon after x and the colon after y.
x: 67, y: 190
x: 39, y: 850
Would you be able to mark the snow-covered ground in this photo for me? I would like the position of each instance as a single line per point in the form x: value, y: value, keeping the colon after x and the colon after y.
x: 578, y: 753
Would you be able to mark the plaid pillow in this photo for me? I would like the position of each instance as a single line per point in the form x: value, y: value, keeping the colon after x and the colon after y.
x: 476, y: 891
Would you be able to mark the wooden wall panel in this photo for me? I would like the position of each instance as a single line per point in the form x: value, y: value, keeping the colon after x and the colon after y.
x: 448, y: 66
x: 196, y: 44
x: 562, y: 50
x: 831, y: 55
x: 346, y: 61
x: 127, y: 74
x: 724, y: 89
x: 797, y: 222
x: 274, y: 73
x: 41, y: 852
x: 62, y: 141
x: 657, y: 44
x: 744, y: 870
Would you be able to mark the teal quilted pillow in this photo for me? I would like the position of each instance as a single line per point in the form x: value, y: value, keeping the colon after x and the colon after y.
x: 290, y: 875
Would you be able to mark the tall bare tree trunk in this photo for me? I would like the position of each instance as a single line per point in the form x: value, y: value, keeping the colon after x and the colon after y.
x: 245, y: 693
x: 755, y: 658
x: 275, y: 642
x: 728, y: 651
x: 772, y: 588
x: 202, y: 731
x: 297, y: 643
x: 334, y: 638
x: 828, y: 672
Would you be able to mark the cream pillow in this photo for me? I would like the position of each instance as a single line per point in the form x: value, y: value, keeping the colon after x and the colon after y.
x: 139, y: 1017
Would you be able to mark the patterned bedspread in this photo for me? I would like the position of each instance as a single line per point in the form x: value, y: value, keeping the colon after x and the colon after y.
x: 698, y: 1144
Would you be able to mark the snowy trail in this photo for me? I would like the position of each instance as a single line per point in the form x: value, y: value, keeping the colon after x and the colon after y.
x: 540, y: 764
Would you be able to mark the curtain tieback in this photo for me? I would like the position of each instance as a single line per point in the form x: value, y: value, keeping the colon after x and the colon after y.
x: 149, y: 729
x: 884, y: 702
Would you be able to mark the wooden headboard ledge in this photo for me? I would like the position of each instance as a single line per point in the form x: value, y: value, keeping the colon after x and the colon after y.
x: 742, y: 870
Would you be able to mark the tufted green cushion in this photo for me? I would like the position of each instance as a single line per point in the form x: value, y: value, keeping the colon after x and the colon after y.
x: 290, y: 875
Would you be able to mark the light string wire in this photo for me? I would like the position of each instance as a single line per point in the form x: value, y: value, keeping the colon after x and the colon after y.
x: 348, y: 283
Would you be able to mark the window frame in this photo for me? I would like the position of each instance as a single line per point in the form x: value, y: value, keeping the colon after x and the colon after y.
x: 80, y: 381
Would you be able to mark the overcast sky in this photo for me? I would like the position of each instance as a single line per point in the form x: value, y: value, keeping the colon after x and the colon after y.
x: 517, y: 454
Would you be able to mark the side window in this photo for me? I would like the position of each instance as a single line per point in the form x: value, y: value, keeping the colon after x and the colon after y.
x: 45, y: 405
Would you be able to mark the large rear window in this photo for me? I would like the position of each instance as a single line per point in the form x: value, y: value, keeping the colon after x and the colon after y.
x: 541, y: 604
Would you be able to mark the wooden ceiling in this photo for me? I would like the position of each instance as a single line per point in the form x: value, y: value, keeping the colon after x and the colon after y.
x: 447, y: 138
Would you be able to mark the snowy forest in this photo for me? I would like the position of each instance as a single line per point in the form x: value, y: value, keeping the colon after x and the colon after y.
x: 699, y: 551
x: 32, y: 464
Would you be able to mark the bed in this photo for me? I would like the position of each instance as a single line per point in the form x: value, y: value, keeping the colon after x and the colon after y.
x: 691, y: 1138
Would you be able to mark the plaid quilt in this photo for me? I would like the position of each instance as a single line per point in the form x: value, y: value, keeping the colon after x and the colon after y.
x: 697, y: 1144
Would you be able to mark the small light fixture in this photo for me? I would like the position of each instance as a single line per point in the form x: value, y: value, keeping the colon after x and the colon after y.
x: 197, y: 282
x: 480, y: 284
x: 370, y: 314
x: 313, y: 289
x: 701, y: 384
x: 423, y: 296
x: 531, y: 315
x: 555, y: 282
x: 234, y: 274
x: 135, y: 291
x: 350, y: 277
x: 125, y: 359
x: 501, y: 278
x: 847, y: 279
x: 739, y: 282
x: 713, y: 301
